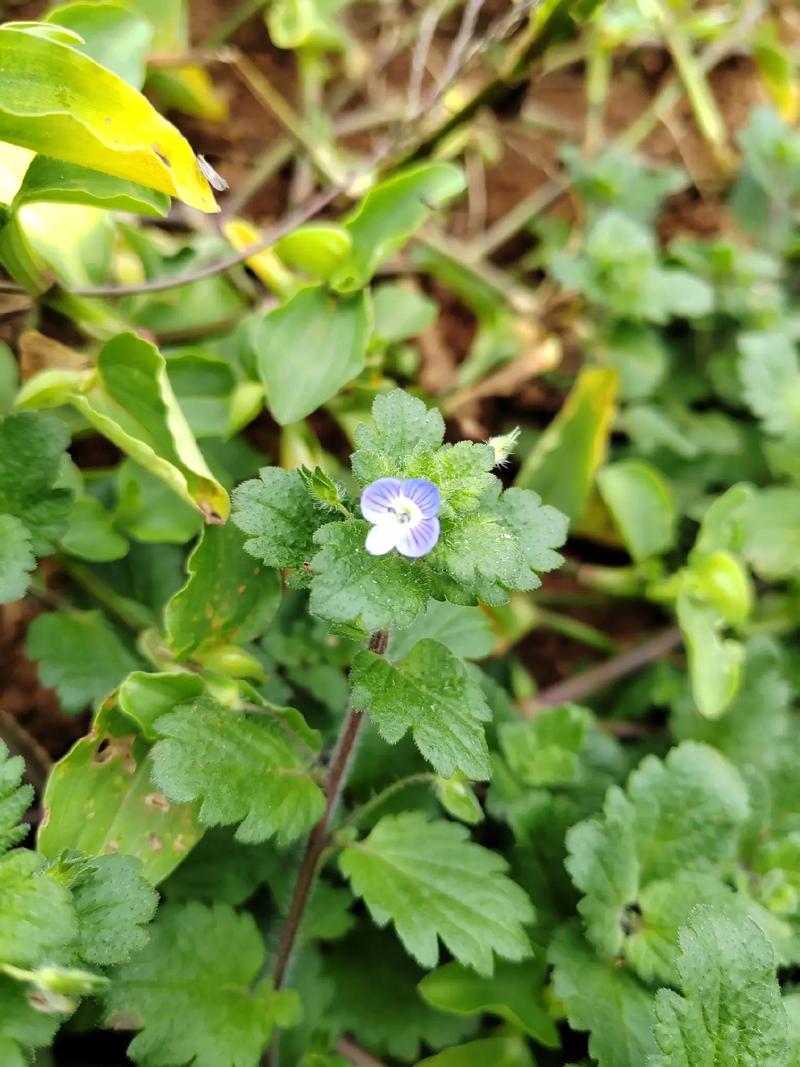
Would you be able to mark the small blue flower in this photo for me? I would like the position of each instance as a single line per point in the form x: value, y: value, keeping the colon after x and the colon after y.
x: 404, y: 516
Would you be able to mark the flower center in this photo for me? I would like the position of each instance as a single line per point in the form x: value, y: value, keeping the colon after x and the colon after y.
x: 405, y: 511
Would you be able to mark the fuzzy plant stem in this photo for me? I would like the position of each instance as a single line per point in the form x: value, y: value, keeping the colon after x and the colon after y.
x: 318, y: 838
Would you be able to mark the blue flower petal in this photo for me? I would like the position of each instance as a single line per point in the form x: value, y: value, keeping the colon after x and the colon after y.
x: 378, y: 498
x: 424, y: 493
x: 420, y: 539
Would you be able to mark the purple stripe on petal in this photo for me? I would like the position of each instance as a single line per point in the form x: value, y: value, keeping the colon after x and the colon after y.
x: 379, y: 497
x: 424, y: 494
x: 420, y: 539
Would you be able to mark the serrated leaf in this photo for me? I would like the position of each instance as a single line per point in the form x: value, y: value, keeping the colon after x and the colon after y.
x: 771, y: 531
x: 100, y: 799
x: 351, y: 586
x: 402, y: 429
x: 79, y: 655
x: 15, y: 799
x: 604, y: 999
x: 431, y: 694
x: 37, y: 920
x: 730, y: 1012
x: 389, y: 214
x: 641, y: 501
x: 309, y: 348
x: 50, y: 104
x: 770, y: 373
x: 17, y: 561
x: 228, y: 596
x: 280, y: 515
x: 462, y: 473
x: 514, y: 993
x: 202, y: 966
x: 113, y: 903
x: 241, y: 769
x: 431, y: 882
x: 545, y: 750
x: 387, y: 1016
x: 465, y: 631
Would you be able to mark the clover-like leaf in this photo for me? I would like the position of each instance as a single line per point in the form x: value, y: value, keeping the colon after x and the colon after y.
x: 280, y: 517
x: 37, y: 920
x: 113, y: 903
x: 729, y: 1012
x: 202, y: 966
x: 431, y: 882
x: 401, y: 431
x: 15, y: 799
x: 247, y: 769
x: 431, y: 694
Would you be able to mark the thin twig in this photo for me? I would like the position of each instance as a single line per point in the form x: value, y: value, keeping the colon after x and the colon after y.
x: 21, y: 743
x: 459, y: 47
x: 589, y: 682
x: 419, y: 57
x: 359, y: 1057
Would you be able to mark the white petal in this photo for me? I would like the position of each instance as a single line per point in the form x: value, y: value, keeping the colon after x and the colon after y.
x: 383, y: 537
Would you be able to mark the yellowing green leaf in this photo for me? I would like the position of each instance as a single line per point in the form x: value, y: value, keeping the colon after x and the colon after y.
x: 61, y: 103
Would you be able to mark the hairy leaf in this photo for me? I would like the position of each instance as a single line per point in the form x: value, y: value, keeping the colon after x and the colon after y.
x: 113, y: 903
x: 15, y: 799
x: 401, y: 430
x: 280, y: 515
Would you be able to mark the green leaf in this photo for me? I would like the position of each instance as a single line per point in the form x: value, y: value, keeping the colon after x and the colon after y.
x: 641, y: 501
x: 499, y: 1051
x: 401, y: 430
x: 431, y: 694
x: 100, y: 799
x: 113, y: 36
x: 228, y: 596
x: 49, y: 103
x: 316, y: 248
x: 37, y: 920
x: 149, y: 511
x: 17, y: 561
x: 252, y: 770
x: 219, y: 868
x: 22, y: 1028
x: 113, y: 903
x: 202, y: 966
x: 772, y: 532
x: 714, y: 662
x: 388, y: 216
x: 563, y: 462
x: 309, y: 348
x: 604, y: 999
x: 401, y: 312
x: 770, y: 374
x: 431, y: 882
x: 32, y: 453
x: 280, y: 515
x: 545, y: 750
x: 465, y: 631
x: 53, y: 181
x: 351, y: 586
x: 514, y: 993
x: 15, y: 799
x: 388, y: 1015
x: 730, y: 1012
x: 90, y: 533
x: 79, y: 655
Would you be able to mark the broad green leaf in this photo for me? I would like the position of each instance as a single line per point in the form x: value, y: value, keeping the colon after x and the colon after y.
x: 401, y: 430
x: 641, y: 501
x: 514, y: 992
x: 499, y: 1051
x: 22, y: 1028
x: 714, y: 662
x: 605, y: 999
x: 215, y: 403
x: 100, y: 799
x: 59, y: 102
x: 112, y: 35
x: 228, y: 596
x: 247, y: 769
x: 90, y: 533
x: 79, y: 655
x: 772, y: 532
x: 15, y: 799
x: 280, y: 515
x: 401, y: 312
x: 465, y: 631
x: 17, y: 561
x: 770, y: 373
x: 730, y: 1012
x: 129, y: 399
x: 431, y: 882
x: 316, y: 248
x: 53, y: 181
x: 145, y: 696
x: 545, y: 750
x: 37, y: 920
x: 563, y: 462
x: 219, y: 868
x: 202, y: 965
x: 113, y: 903
x: 430, y: 693
x: 309, y: 348
x: 351, y: 586
x: 149, y: 511
x: 389, y: 215
x: 387, y: 1016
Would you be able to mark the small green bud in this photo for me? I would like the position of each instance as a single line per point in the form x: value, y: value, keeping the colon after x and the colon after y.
x: 325, y: 489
